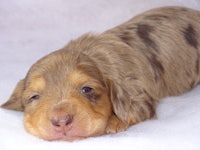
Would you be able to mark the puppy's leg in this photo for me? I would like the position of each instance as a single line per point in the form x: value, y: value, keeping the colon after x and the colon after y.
x: 115, y: 125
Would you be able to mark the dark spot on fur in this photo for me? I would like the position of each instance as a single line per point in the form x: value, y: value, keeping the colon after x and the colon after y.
x: 190, y: 36
x: 126, y: 38
x: 143, y: 32
x: 156, y: 66
x: 150, y: 108
x: 150, y: 103
x: 151, y: 49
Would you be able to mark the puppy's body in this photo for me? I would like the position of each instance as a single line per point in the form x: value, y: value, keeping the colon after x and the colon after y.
x: 104, y: 83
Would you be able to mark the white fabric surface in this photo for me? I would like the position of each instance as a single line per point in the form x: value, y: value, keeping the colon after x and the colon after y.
x: 30, y: 29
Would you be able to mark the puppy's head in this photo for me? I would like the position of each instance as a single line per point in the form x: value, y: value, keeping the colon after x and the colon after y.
x: 64, y: 97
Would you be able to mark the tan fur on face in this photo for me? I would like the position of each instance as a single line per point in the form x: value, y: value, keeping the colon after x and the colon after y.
x: 37, y: 84
x: 129, y: 69
x: 89, y: 117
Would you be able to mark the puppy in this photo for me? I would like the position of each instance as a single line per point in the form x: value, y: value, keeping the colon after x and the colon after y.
x: 105, y: 83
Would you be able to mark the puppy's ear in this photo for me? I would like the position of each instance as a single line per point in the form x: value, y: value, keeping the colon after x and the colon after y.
x: 120, y: 101
x: 15, y: 101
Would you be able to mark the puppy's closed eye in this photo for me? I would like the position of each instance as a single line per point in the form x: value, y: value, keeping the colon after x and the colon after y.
x: 34, y: 97
x: 31, y: 98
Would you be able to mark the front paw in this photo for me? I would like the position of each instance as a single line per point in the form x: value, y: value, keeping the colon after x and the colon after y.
x: 115, y: 125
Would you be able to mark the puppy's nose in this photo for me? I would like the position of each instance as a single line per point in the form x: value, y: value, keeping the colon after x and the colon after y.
x: 61, y: 121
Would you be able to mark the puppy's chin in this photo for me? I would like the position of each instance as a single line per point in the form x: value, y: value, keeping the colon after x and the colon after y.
x: 49, y: 133
x: 75, y: 131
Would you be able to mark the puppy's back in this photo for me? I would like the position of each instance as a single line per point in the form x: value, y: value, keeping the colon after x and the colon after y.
x: 169, y: 38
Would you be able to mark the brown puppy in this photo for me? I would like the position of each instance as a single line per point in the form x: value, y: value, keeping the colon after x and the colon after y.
x: 105, y: 83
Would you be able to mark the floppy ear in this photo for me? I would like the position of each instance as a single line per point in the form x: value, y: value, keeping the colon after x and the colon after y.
x: 120, y: 101
x: 142, y: 107
x: 15, y: 101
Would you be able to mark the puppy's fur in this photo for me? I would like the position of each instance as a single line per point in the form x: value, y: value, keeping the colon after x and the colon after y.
x: 105, y: 83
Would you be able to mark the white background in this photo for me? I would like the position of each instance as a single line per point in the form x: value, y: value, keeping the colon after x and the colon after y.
x: 30, y: 29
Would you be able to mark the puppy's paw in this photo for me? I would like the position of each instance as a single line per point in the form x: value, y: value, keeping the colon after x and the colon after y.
x: 115, y: 125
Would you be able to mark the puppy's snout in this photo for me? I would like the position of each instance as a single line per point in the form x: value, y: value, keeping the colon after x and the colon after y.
x: 62, y: 121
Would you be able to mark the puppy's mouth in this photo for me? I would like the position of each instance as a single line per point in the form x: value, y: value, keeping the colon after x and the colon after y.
x: 65, y: 133
x: 68, y: 133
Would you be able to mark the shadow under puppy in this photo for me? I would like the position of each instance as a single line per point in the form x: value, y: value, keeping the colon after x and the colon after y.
x: 105, y: 83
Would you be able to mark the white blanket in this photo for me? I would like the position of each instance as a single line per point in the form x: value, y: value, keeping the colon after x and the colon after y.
x: 30, y: 29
